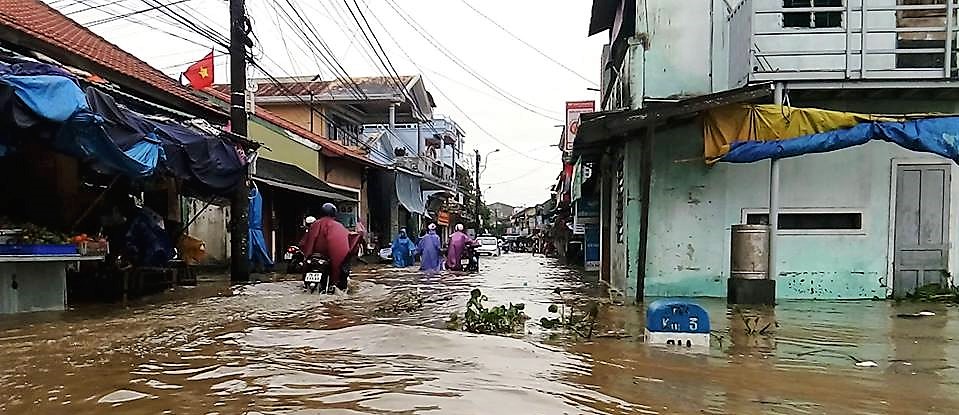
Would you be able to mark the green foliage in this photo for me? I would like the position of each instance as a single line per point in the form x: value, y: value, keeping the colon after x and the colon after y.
x: 582, y: 323
x: 497, y: 320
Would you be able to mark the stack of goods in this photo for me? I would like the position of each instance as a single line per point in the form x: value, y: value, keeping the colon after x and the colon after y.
x: 92, y: 246
x: 30, y: 239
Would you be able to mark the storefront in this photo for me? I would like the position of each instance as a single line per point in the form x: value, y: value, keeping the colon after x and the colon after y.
x: 290, y: 194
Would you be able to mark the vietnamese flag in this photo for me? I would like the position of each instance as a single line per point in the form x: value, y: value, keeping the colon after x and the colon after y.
x: 200, y: 74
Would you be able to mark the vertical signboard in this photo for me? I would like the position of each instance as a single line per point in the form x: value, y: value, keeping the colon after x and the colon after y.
x: 591, y: 252
x: 586, y: 213
x: 573, y: 110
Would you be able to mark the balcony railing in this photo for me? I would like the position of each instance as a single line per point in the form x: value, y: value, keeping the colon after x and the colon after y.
x: 842, y: 40
x: 428, y: 167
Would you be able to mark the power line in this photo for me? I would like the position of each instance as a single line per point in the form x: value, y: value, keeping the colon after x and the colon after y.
x: 411, y: 21
x: 520, y: 177
x: 381, y: 55
x: 452, y: 102
x: 384, y: 59
x: 133, y: 13
x: 514, y: 36
x: 319, y: 48
x: 88, y: 7
x: 167, y: 21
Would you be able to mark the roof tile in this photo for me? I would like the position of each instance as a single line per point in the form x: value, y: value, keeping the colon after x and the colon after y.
x: 37, y: 20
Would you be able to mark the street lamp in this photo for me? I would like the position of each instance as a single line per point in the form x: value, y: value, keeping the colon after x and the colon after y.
x: 487, y: 159
x: 479, y: 191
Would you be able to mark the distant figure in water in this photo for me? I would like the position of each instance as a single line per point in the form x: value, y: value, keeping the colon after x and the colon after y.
x: 458, y: 243
x: 429, y: 250
x: 403, y: 248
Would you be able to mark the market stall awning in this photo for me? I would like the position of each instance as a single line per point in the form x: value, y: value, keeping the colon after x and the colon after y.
x: 410, y: 193
x: 931, y: 135
x: 750, y: 133
x: 599, y: 130
x: 45, y: 105
x: 290, y: 177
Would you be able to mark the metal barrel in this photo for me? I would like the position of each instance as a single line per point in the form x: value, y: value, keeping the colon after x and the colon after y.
x: 749, y: 252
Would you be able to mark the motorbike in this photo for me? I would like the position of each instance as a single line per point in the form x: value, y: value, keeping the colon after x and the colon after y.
x: 470, y: 260
x: 295, y: 260
x: 316, y: 275
x: 386, y: 254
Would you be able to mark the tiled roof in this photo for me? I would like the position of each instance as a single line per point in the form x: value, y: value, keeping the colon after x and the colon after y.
x: 35, y: 25
x: 373, y: 86
x: 329, y: 147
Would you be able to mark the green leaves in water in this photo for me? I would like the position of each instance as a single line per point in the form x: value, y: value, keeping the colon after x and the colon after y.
x: 496, y: 320
x: 582, y: 324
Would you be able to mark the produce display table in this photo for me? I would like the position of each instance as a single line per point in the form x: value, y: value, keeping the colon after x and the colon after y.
x: 36, y: 282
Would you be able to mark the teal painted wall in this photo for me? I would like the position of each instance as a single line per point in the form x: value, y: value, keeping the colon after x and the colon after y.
x: 693, y: 206
x: 632, y: 169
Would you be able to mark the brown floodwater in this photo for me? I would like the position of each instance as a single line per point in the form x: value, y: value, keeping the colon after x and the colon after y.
x: 270, y: 348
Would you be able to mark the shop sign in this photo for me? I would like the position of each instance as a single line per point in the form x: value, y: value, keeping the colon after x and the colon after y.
x: 573, y: 110
x: 443, y: 218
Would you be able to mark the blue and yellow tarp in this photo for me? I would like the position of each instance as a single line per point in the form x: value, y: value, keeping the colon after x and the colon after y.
x: 750, y: 133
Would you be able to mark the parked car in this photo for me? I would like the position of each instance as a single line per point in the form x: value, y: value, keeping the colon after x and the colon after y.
x: 488, y: 245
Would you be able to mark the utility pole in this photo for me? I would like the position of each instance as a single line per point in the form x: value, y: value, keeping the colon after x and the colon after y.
x: 240, y: 204
x: 478, y: 193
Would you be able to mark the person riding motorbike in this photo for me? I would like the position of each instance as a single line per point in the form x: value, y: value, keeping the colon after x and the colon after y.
x: 457, y: 247
x: 330, y: 239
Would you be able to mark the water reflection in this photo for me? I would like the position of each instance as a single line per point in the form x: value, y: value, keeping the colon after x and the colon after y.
x: 272, y: 349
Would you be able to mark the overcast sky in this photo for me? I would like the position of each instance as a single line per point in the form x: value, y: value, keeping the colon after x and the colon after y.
x: 537, y: 86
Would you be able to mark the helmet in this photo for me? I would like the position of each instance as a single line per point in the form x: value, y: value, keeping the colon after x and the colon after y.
x: 459, y: 227
x: 328, y: 210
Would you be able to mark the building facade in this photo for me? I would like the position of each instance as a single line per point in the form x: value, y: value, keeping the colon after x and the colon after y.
x: 871, y: 221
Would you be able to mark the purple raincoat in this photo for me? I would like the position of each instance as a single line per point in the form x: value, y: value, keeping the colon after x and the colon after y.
x: 429, y: 249
x: 458, y: 243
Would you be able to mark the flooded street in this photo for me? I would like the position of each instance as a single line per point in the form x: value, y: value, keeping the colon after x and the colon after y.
x: 272, y: 349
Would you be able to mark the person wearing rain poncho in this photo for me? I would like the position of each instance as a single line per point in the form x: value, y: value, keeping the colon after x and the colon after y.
x: 403, y: 248
x: 458, y: 243
x: 429, y: 250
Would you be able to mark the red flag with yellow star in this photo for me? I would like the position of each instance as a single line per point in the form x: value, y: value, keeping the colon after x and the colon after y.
x: 200, y: 74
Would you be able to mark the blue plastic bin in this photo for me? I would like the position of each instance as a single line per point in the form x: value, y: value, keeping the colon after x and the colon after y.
x: 48, y: 250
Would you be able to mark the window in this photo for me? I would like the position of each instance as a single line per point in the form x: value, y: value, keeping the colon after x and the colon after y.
x: 809, y: 16
x: 801, y: 221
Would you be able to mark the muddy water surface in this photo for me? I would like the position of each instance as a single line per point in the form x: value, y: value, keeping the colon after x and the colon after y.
x: 384, y: 349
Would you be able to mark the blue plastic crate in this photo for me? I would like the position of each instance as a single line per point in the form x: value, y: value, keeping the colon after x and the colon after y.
x: 50, y: 250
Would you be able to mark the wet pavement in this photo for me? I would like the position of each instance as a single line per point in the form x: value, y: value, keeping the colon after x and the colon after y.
x: 273, y: 349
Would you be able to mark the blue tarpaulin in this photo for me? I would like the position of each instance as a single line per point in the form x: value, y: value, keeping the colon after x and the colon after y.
x: 52, y: 97
x: 409, y: 193
x: 41, y: 103
x: 929, y: 135
x: 257, y: 252
x: 48, y: 91
x: 84, y: 137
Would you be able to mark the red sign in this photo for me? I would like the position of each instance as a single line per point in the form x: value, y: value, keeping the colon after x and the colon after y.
x: 443, y: 218
x: 573, y: 110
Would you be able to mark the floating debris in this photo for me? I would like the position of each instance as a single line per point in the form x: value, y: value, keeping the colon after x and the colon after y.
x: 920, y: 314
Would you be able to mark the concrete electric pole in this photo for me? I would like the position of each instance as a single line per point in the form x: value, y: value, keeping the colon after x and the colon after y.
x: 478, y: 193
x: 240, y: 204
